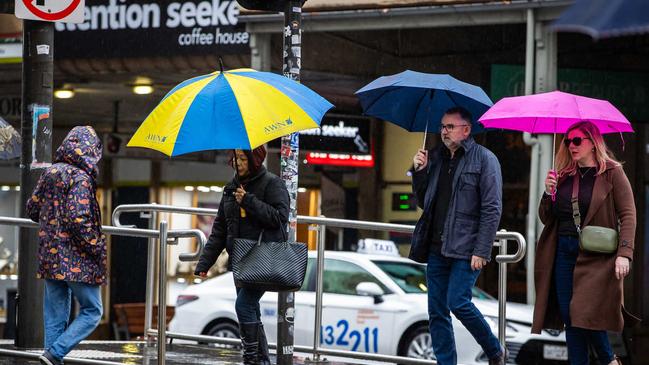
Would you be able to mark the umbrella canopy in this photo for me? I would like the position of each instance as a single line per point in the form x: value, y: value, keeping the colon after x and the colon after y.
x: 554, y: 112
x: 605, y: 18
x: 417, y: 101
x: 9, y: 141
x: 237, y: 109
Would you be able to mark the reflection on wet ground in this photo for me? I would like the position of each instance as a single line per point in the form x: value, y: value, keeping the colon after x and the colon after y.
x: 137, y: 353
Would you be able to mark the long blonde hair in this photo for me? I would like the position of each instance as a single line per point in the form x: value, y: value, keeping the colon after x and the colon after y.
x: 564, y: 162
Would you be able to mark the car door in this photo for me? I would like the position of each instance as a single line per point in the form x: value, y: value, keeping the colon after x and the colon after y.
x: 351, y: 321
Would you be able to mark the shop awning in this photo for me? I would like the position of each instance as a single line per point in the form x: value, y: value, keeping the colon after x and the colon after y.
x: 605, y: 18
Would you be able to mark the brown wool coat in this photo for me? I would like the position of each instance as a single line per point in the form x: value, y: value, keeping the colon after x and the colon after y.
x: 597, y: 300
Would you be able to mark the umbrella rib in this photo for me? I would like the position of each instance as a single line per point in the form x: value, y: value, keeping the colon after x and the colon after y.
x: 421, y: 99
x: 380, y: 96
x: 450, y: 97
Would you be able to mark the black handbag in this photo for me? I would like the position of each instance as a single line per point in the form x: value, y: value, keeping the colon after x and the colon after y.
x: 269, y: 266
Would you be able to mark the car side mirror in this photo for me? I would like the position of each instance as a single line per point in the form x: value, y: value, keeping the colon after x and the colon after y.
x: 370, y: 289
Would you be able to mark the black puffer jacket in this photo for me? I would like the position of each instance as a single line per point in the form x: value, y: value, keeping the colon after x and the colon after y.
x: 266, y: 206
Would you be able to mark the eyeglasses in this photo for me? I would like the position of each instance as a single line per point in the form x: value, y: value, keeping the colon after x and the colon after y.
x: 576, y: 141
x: 450, y: 127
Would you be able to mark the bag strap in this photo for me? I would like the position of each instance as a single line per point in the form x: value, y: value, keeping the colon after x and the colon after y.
x: 260, y: 235
x: 575, y: 201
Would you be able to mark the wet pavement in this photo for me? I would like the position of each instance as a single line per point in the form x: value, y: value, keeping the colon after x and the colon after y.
x: 137, y: 353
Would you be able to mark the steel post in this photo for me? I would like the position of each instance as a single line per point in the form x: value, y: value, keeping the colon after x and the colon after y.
x: 150, y: 279
x: 289, y: 165
x: 36, y: 130
x: 162, y: 294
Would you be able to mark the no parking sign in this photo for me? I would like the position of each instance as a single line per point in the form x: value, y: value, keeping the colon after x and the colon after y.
x: 67, y: 11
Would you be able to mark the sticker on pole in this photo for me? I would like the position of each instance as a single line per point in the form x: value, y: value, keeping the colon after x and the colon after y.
x: 66, y: 11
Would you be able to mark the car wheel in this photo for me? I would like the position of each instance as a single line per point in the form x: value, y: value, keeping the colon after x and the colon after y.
x: 417, y: 344
x: 225, y: 329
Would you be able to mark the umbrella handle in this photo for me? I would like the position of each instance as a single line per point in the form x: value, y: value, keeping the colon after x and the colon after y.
x: 423, y: 147
x: 554, y: 146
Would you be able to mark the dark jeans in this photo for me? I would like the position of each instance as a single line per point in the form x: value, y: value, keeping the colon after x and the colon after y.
x: 577, y: 339
x: 449, y: 290
x: 247, y: 305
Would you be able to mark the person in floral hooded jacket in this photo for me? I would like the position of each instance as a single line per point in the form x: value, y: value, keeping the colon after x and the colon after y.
x: 72, y: 248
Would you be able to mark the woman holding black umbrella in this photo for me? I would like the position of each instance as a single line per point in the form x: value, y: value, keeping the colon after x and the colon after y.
x: 255, y: 201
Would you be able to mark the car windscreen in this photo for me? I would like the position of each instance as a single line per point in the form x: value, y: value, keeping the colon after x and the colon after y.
x: 410, y: 277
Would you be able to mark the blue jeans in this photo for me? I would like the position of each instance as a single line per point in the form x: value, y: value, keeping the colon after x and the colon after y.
x: 61, y: 338
x: 577, y: 339
x: 450, y: 282
x: 247, y: 305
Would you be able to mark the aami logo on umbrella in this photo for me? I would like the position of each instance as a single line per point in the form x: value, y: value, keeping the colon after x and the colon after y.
x: 278, y: 126
x: 155, y: 138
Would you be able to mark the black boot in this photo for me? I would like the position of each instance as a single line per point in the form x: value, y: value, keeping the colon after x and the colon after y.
x: 263, y: 347
x: 250, y: 342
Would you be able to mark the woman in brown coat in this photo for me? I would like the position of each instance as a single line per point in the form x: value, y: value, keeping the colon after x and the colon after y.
x: 576, y: 289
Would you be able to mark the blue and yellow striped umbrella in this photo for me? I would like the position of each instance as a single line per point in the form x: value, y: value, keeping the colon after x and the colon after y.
x: 237, y: 109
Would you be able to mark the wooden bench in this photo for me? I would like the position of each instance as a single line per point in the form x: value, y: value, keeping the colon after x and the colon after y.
x: 129, y: 319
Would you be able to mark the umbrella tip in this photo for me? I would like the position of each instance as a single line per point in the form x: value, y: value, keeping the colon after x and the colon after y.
x: 221, y: 64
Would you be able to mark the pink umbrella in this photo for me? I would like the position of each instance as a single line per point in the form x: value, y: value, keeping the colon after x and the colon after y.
x: 553, y: 112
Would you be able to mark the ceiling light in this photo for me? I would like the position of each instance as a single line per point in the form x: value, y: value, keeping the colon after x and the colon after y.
x: 143, y: 89
x: 64, y: 93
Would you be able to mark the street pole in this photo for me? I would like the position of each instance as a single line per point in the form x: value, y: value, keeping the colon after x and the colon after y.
x: 289, y: 158
x: 36, y: 131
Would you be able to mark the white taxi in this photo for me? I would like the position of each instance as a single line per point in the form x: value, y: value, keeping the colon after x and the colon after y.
x: 371, y: 303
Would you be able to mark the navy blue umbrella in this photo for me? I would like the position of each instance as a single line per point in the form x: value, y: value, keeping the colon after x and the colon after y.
x: 605, y: 18
x: 417, y: 101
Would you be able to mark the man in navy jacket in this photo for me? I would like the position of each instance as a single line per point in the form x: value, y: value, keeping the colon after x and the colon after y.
x: 459, y: 187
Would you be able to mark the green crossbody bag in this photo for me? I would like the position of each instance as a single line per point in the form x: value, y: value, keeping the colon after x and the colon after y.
x: 594, y: 239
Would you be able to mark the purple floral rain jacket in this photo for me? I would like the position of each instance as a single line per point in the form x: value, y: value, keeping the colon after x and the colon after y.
x: 72, y: 247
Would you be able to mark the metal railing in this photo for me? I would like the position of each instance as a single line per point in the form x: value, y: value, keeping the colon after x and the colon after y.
x: 503, y: 259
x: 163, y: 234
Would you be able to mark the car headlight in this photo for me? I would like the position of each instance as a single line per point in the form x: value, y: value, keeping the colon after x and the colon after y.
x: 493, y: 324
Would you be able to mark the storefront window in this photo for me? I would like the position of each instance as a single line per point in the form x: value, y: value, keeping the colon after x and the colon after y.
x: 9, y: 207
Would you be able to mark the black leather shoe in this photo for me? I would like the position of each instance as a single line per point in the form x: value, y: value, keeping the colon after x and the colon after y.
x: 501, y: 359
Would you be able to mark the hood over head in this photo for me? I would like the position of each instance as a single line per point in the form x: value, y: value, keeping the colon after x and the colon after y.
x: 81, y: 148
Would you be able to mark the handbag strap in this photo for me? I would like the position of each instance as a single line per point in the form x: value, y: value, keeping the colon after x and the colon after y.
x: 575, y: 202
x: 260, y: 235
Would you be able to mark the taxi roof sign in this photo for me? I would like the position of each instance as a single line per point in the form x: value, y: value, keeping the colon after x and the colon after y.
x: 376, y: 246
x: 67, y: 11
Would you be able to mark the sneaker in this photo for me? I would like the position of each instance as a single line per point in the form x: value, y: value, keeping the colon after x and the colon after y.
x: 47, y: 359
